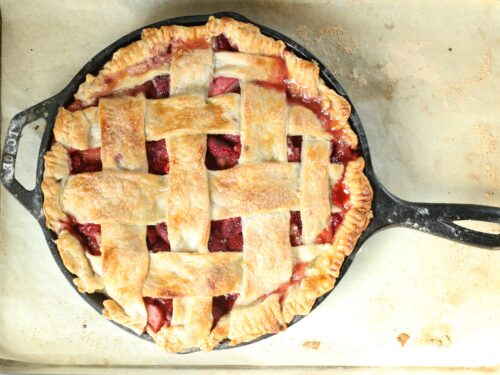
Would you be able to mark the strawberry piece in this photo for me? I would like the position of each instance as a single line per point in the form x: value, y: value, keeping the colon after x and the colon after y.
x: 162, y: 230
x: 92, y: 234
x: 235, y: 243
x: 295, y: 228
x: 85, y: 160
x: 157, y: 238
x: 237, y: 150
x: 219, y: 148
x: 221, y: 43
x: 77, y: 105
x: 342, y: 153
x: 92, y: 155
x: 232, y: 138
x: 157, y: 155
x: 221, y: 305
x: 159, y: 246
x: 152, y: 235
x: 216, y: 243
x: 156, y: 317
x: 223, y: 85
x: 167, y: 306
x: 161, y: 86
x: 226, y: 235
x: 223, y: 151
x: 294, y: 150
x: 231, y: 227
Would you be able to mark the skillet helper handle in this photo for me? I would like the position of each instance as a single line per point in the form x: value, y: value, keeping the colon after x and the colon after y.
x: 9, y: 154
x: 439, y: 219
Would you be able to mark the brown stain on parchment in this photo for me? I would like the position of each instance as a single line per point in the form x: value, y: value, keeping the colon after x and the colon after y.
x: 403, y: 338
x: 313, y: 345
x: 438, y: 334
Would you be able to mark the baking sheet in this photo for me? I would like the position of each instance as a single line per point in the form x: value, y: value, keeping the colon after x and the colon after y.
x: 424, y: 78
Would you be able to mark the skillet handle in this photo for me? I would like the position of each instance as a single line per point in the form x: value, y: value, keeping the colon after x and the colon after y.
x: 435, y: 218
x: 9, y: 154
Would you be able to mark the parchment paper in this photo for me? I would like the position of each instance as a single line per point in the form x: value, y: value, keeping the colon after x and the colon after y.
x: 425, y: 78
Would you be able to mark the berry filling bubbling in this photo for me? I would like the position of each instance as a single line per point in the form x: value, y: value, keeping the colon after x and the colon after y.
x: 159, y: 312
x: 223, y: 151
x: 226, y: 235
x: 157, y: 157
x: 221, y: 305
x: 157, y: 238
x: 89, y: 235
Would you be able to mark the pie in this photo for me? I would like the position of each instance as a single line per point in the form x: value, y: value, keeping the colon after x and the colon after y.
x: 207, y: 181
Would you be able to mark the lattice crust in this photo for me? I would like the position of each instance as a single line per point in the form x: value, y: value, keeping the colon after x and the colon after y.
x: 124, y: 198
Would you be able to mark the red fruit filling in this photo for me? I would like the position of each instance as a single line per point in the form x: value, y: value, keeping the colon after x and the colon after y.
x: 294, y: 148
x: 221, y: 305
x: 342, y: 153
x: 226, y: 235
x: 341, y: 195
x: 159, y: 312
x: 223, y: 151
x: 341, y: 199
x: 157, y: 238
x: 89, y: 235
x: 77, y: 105
x: 161, y: 86
x: 224, y: 85
x: 85, y: 160
x: 295, y: 228
x: 157, y: 157
x: 221, y: 43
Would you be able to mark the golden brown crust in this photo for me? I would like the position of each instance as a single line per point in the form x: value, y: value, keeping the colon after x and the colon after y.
x: 56, y: 170
x: 359, y: 214
x: 315, y: 189
x: 323, y: 270
x: 246, y: 37
x: 247, y: 67
x: 125, y: 261
x: 189, y: 331
x: 122, y: 133
x: 263, y: 124
x: 176, y: 274
x: 264, y: 186
x: 274, y: 188
x: 250, y: 322
x: 114, y: 311
x: 188, y: 199
x: 267, y: 259
x: 303, y: 76
x: 191, y: 114
x: 115, y: 196
x: 74, y: 259
x: 191, y: 70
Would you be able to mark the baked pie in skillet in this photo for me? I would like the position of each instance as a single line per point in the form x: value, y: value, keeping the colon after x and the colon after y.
x: 207, y: 181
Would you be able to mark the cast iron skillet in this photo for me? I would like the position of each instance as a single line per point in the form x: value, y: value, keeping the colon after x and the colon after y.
x: 388, y: 210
